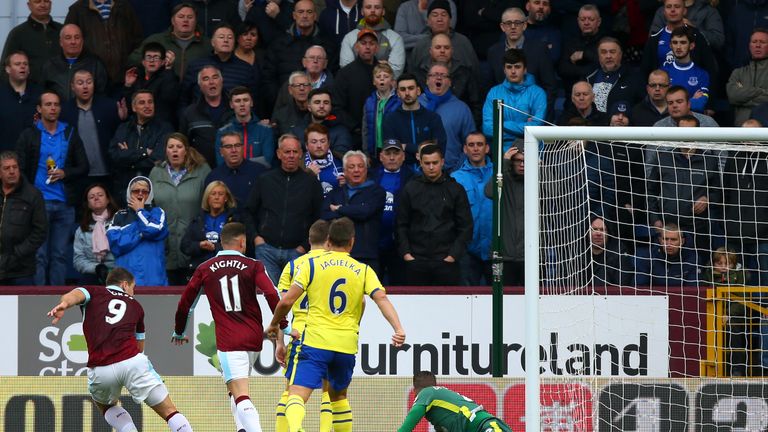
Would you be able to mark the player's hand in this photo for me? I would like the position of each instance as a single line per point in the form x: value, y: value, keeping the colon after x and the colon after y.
x: 295, y: 334
x: 179, y: 340
x: 398, y: 339
x: 272, y: 331
x: 280, y: 354
x: 57, y: 312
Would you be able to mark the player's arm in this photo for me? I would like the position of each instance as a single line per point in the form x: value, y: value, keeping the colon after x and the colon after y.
x: 413, y: 418
x: 283, y: 307
x: 390, y: 314
x: 75, y: 297
x: 185, y: 307
x: 141, y: 332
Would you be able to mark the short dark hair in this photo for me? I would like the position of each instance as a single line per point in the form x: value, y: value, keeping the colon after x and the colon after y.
x: 341, y: 232
x: 231, y: 231
x: 181, y: 6
x: 118, y: 275
x: 423, y: 379
x: 317, y: 128
x: 690, y: 118
x: 232, y: 134
x: 684, y: 31
x: 45, y: 92
x: 514, y: 55
x: 153, y: 47
x: 407, y: 76
x: 431, y: 149
x: 9, y: 154
x: 677, y: 88
x: 239, y: 90
x: 318, y: 232
x: 141, y: 92
x: 319, y: 91
x: 7, y: 59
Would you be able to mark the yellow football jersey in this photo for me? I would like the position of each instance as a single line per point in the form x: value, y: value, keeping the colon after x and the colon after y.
x: 335, y: 284
x: 299, y: 308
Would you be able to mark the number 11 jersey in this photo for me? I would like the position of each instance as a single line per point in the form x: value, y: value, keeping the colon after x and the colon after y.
x: 231, y: 281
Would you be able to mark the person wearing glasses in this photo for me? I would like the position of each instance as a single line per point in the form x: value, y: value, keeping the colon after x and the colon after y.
x: 315, y: 65
x: 137, y: 235
x: 237, y: 172
x: 653, y: 107
x: 155, y: 75
x: 286, y: 117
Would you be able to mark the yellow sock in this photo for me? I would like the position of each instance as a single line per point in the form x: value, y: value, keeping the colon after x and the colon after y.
x: 342, y: 416
x: 326, y: 413
x: 295, y: 412
x: 281, y: 424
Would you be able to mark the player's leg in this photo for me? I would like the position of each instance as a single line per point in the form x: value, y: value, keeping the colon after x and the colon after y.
x: 236, y: 368
x: 233, y: 409
x: 311, y: 366
x: 117, y: 417
x: 339, y: 377
x: 495, y: 425
x: 326, y: 412
x: 167, y: 410
x: 105, y: 389
x: 291, y: 356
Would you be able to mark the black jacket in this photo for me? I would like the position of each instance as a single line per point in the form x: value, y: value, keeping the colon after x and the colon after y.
x: 746, y: 199
x: 164, y: 85
x: 364, y: 208
x: 57, y: 74
x: 628, y: 87
x: 105, y: 114
x: 283, y: 205
x: 23, y: 229
x: 434, y: 219
x: 198, y: 126
x: 134, y: 160
x: 17, y: 113
x: 646, y: 114
x: 190, y: 243
x: 39, y: 41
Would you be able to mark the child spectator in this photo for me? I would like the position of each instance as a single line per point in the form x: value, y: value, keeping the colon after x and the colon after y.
x: 725, y: 269
x: 382, y: 101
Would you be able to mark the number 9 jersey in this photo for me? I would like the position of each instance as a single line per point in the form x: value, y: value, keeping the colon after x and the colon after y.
x: 112, y: 323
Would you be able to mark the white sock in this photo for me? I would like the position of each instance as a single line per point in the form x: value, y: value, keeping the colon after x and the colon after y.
x: 248, y: 415
x: 238, y: 424
x: 179, y: 423
x: 118, y: 418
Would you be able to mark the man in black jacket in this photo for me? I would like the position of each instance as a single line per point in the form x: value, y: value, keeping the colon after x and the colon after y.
x: 51, y: 155
x: 434, y: 223
x: 57, y: 71
x: 283, y: 204
x: 24, y: 223
x: 200, y: 121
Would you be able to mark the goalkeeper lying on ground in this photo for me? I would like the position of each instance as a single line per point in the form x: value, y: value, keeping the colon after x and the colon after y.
x: 447, y: 410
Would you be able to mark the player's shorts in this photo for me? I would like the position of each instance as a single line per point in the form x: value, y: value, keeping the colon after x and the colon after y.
x: 494, y: 425
x: 291, y: 357
x: 314, y: 364
x: 236, y: 364
x: 136, y: 374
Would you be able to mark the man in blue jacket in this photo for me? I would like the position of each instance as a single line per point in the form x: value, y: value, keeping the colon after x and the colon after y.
x: 671, y: 261
x: 473, y: 174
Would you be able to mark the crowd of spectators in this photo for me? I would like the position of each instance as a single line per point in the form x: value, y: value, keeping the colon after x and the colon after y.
x: 131, y: 132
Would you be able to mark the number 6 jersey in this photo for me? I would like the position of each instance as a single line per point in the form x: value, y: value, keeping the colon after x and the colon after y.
x: 231, y: 282
x: 112, y: 323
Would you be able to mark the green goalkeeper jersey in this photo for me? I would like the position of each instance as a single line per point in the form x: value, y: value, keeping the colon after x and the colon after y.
x: 446, y: 410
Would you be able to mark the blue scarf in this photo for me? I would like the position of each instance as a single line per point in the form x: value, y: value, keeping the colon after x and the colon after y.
x: 434, y: 101
x: 352, y: 190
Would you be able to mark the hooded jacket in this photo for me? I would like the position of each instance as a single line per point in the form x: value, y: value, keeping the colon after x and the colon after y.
x: 526, y: 97
x: 391, y: 46
x: 137, y: 239
x: 474, y: 179
x: 512, y: 208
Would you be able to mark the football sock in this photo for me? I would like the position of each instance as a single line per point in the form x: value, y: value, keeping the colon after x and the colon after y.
x: 295, y: 412
x: 281, y: 423
x: 247, y: 414
x: 118, y: 418
x: 178, y: 423
x: 326, y: 413
x: 342, y: 415
x: 233, y: 408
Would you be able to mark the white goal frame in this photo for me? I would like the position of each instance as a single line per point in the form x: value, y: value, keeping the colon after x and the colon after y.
x: 533, y: 136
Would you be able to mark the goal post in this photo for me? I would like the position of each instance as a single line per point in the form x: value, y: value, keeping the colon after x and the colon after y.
x: 535, y: 140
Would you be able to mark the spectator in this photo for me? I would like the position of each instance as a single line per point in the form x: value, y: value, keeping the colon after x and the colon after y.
x: 355, y: 84
x: 382, y: 101
x: 653, y: 107
x: 200, y: 121
x: 315, y: 65
x: 52, y: 154
x: 579, y: 56
x: 201, y: 240
x: 411, y: 123
x: 271, y: 17
x: 748, y: 85
x: 339, y: 18
x: 96, y: 119
x: 234, y: 72
x: 513, y: 25
x: 411, y: 20
x: 320, y: 159
x: 178, y: 187
x: 611, y: 265
x: 362, y: 200
x: 392, y: 175
x: 139, y: 142
x: 111, y: 30
x: 699, y: 14
x: 183, y: 41
x: 465, y: 83
x: 582, y: 106
x: 620, y: 114
x: 249, y: 51
x: 237, y: 172
x: 542, y: 29
x: 473, y: 174
x: 742, y: 18
x: 671, y: 262
x: 137, y: 235
x: 25, y: 224
x: 37, y: 37
x: 517, y: 90
x: 391, y: 46
x: 434, y: 223
x: 320, y: 112
x: 512, y: 208
x: 679, y: 105
x: 285, y: 118
x: 285, y: 52
x: 91, y: 257
x: 258, y: 139
x: 215, y: 13
x: 58, y: 70
x: 682, y: 71
x: 153, y: 75
x: 455, y: 114
x: 612, y: 81
x: 282, y: 205
x: 438, y: 21
x: 153, y: 14
x: 18, y: 97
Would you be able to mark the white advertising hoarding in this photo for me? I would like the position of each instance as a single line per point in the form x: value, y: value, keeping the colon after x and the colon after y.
x: 9, y: 361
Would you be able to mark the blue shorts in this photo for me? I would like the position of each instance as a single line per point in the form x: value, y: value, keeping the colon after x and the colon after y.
x: 314, y: 364
x: 291, y: 355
